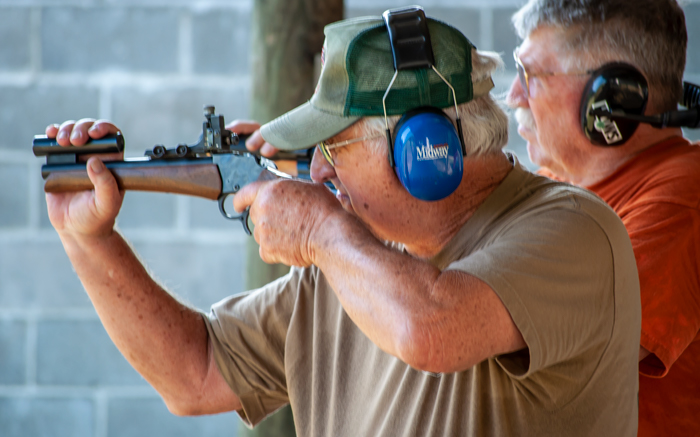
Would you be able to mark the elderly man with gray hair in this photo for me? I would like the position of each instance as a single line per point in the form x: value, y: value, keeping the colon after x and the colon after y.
x: 581, y: 62
x: 443, y: 290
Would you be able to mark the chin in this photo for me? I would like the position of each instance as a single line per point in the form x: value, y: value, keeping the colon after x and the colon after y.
x: 345, y: 203
x: 534, y: 154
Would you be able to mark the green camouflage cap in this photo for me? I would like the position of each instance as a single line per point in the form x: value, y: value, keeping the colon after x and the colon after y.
x: 357, y: 69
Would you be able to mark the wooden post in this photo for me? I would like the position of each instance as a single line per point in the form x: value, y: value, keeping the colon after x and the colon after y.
x: 287, y: 36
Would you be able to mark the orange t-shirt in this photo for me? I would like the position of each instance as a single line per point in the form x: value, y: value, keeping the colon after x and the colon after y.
x: 657, y: 196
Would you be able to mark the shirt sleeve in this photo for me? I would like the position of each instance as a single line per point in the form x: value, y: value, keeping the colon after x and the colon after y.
x: 248, y: 333
x: 553, y: 272
x: 666, y: 242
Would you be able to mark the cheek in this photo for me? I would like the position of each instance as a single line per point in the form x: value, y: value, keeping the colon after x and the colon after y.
x: 557, y: 120
x: 373, y: 191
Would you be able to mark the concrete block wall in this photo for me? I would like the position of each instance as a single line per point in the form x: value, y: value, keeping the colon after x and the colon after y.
x: 148, y: 65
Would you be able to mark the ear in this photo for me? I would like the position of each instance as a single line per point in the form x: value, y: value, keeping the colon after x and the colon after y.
x: 613, y: 87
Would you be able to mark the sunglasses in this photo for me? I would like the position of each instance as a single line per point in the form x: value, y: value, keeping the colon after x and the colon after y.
x: 326, y: 148
x: 525, y: 77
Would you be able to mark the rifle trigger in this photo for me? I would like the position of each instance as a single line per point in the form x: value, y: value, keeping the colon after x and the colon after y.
x: 243, y: 217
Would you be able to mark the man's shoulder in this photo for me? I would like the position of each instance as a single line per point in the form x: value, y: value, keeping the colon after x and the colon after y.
x: 535, y: 203
x: 667, y: 175
x: 545, y: 191
x: 678, y: 154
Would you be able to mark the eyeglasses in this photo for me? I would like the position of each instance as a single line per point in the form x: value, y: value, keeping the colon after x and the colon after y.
x: 326, y: 148
x: 525, y: 77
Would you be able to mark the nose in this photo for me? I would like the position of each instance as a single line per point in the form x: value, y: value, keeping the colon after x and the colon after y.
x: 321, y: 171
x: 516, y: 97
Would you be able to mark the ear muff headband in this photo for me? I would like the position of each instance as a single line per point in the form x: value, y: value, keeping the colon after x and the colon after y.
x: 613, y: 87
x: 426, y: 152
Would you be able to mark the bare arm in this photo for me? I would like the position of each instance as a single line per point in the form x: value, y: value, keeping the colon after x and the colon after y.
x: 432, y: 320
x: 163, y: 339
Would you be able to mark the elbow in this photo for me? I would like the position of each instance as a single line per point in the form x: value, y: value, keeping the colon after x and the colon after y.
x: 416, y: 347
x: 191, y: 406
x: 182, y: 407
x: 424, y: 347
x: 187, y: 401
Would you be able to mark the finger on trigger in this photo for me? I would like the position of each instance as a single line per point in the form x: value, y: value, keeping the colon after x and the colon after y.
x: 246, y: 196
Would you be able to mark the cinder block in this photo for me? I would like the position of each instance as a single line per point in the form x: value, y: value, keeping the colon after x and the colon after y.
x: 505, y: 39
x: 14, y: 187
x: 120, y: 39
x: 38, y: 275
x: 26, y: 111
x: 363, y: 10
x: 14, y: 33
x: 23, y: 417
x: 147, y: 210
x: 463, y: 18
x: 204, y: 214
x: 80, y: 353
x: 391, y: 4
x: 221, y: 41
x: 199, y: 274
x: 170, y: 115
x: 692, y: 18
x: 467, y: 20
x: 13, y: 338
x: 151, y: 418
x: 40, y: 198
x: 169, y: 3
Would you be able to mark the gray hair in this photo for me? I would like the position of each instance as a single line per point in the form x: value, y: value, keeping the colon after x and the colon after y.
x: 649, y: 34
x: 484, y: 124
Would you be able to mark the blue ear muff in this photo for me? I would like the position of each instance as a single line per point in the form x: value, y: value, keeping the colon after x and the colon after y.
x: 428, y: 154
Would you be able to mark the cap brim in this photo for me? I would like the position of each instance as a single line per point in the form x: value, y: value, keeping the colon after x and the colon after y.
x: 303, y: 127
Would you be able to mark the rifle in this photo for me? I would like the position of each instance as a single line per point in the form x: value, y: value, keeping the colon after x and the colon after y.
x: 215, y: 167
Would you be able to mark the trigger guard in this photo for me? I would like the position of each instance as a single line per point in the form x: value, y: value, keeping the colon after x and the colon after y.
x: 243, y: 217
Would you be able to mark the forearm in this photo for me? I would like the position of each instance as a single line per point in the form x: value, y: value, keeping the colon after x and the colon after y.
x: 165, y: 341
x: 383, y: 291
x: 432, y: 320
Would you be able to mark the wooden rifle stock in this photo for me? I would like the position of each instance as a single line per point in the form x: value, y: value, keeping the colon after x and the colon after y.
x: 201, y: 180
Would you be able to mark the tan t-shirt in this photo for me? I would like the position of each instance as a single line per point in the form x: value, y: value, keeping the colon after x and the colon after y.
x: 561, y: 262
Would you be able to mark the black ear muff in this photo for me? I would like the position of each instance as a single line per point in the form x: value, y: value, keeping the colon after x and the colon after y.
x: 613, y: 88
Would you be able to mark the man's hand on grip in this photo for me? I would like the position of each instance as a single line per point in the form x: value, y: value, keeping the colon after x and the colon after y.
x: 289, y: 218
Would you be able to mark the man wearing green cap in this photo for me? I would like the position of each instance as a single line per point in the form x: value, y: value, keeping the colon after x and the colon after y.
x: 508, y: 307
